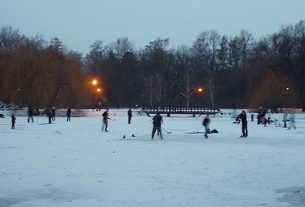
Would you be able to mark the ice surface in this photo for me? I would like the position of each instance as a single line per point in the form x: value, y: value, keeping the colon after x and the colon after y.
x: 75, y: 164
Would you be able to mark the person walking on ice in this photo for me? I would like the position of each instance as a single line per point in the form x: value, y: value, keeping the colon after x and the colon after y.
x: 53, y: 111
x: 206, y: 123
x: 13, y: 121
x: 105, y: 120
x: 129, y: 113
x: 285, y: 118
x: 157, y: 121
x: 68, y: 114
x: 30, y: 114
x: 244, y: 124
x: 291, y: 121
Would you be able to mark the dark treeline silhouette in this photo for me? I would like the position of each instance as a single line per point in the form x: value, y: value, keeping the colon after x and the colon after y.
x: 238, y: 71
x: 35, y: 73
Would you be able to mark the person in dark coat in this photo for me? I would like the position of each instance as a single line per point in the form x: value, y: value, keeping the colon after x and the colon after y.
x: 244, y: 124
x: 53, y: 114
x: 13, y: 121
x: 157, y: 121
x: 237, y: 119
x: 206, y: 123
x: 285, y: 118
x: 30, y: 114
x: 252, y: 117
x: 105, y: 121
x: 129, y: 113
x: 69, y: 114
x: 49, y: 114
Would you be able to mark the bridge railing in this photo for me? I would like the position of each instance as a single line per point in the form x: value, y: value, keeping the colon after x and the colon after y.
x: 180, y: 110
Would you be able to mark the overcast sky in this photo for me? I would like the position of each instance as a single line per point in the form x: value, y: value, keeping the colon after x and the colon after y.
x: 79, y: 23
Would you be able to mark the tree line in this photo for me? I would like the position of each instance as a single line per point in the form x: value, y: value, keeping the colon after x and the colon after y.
x: 234, y: 72
x: 36, y: 73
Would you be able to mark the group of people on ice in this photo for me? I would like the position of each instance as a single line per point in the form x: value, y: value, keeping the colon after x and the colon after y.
x: 242, y: 117
x: 50, y: 112
x: 158, y: 120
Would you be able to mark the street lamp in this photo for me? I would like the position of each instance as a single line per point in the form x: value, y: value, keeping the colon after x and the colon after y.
x: 94, y: 82
x: 199, y: 90
x: 191, y: 91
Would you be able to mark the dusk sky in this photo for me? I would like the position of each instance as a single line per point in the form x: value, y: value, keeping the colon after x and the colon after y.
x: 79, y: 23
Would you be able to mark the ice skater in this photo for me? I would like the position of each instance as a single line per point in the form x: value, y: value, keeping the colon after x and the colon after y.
x: 68, y: 114
x: 13, y: 121
x: 30, y: 114
x: 53, y: 113
x: 252, y: 117
x: 285, y: 118
x: 292, y: 121
x: 206, y: 123
x: 244, y: 124
x: 49, y: 114
x: 129, y: 113
x: 157, y: 121
x: 105, y: 120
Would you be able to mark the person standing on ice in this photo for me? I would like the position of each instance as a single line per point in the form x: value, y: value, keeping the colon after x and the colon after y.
x: 244, y: 124
x: 105, y: 120
x: 206, y: 123
x: 269, y: 116
x: 69, y: 114
x: 291, y: 121
x: 285, y: 118
x: 157, y: 121
x: 129, y: 113
x: 49, y: 114
x: 13, y: 120
x: 53, y: 113
x: 30, y: 114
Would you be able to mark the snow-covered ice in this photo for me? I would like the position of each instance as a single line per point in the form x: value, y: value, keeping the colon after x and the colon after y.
x: 75, y: 164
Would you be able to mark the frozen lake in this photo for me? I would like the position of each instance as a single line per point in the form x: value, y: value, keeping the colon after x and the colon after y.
x: 75, y: 164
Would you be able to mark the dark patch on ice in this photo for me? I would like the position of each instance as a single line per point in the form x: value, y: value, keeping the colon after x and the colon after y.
x: 48, y: 193
x: 294, y: 196
x: 6, y: 202
x: 57, y: 133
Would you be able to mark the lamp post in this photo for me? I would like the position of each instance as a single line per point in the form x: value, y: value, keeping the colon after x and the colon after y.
x: 96, y: 89
x: 191, y: 91
x: 94, y: 82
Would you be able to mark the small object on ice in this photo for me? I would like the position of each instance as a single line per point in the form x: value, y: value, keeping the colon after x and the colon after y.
x: 113, y: 151
x: 133, y: 135
x: 124, y: 137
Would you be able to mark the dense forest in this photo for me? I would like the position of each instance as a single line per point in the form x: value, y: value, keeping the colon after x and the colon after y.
x: 238, y: 71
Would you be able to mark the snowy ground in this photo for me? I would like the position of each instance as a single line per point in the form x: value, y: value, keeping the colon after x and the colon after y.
x: 75, y: 164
